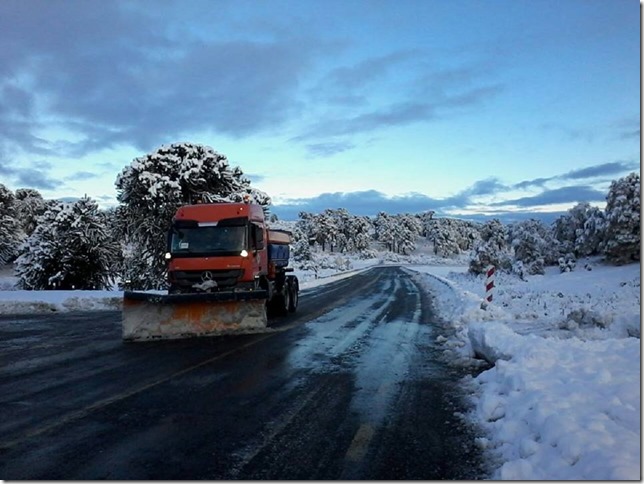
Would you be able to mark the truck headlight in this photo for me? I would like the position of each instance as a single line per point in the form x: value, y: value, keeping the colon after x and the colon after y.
x: 244, y: 253
x: 168, y: 256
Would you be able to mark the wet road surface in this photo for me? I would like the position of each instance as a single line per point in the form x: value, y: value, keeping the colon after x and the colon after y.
x: 351, y: 387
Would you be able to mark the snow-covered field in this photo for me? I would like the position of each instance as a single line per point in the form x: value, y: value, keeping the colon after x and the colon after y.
x: 562, y: 400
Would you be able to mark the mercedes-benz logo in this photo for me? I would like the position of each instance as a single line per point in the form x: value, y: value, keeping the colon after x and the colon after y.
x: 206, y: 276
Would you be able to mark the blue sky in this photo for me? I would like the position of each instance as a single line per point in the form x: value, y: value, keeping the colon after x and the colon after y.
x: 464, y: 107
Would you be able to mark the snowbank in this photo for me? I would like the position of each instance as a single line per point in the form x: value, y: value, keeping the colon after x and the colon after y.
x: 563, y: 397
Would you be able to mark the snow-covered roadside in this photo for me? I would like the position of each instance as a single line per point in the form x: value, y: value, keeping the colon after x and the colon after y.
x: 14, y: 301
x: 563, y: 398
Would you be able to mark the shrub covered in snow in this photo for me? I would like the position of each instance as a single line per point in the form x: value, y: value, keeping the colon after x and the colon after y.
x: 71, y: 248
x: 533, y: 245
x: 491, y: 249
x: 622, y: 243
x: 10, y: 233
x: 580, y: 231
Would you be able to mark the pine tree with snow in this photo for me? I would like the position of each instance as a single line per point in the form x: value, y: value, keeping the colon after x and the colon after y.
x: 11, y: 235
x: 151, y: 189
x: 622, y: 214
x: 580, y: 230
x: 29, y: 206
x: 534, y: 245
x: 491, y: 249
x: 71, y: 248
x: 591, y: 236
x: 308, y: 225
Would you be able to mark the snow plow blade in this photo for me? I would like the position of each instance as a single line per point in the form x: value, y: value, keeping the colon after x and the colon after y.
x: 148, y: 316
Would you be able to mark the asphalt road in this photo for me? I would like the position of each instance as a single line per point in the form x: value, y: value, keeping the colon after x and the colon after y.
x: 351, y: 387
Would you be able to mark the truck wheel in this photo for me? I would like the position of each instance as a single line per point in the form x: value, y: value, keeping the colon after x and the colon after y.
x: 285, y: 300
x: 294, y: 296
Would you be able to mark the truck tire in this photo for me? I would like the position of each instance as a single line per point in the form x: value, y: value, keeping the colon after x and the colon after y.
x: 293, y: 289
x: 285, y: 300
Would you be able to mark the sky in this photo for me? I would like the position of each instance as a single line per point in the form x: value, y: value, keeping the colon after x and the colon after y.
x: 465, y: 107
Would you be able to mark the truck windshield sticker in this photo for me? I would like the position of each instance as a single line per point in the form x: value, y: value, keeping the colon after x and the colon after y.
x: 184, y: 245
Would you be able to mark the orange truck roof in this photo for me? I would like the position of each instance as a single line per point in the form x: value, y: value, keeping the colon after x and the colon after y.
x: 212, y: 212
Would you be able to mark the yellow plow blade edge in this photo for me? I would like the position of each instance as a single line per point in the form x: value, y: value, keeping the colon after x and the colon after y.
x: 151, y: 317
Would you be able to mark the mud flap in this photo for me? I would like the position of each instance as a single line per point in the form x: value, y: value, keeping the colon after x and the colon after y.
x: 148, y: 316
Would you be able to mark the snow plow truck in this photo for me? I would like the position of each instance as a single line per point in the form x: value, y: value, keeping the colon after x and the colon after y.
x: 227, y: 272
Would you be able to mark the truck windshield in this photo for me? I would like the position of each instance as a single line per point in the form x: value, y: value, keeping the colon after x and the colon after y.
x: 228, y: 240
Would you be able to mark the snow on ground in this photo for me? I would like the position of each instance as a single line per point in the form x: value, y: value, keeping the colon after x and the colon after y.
x: 562, y: 400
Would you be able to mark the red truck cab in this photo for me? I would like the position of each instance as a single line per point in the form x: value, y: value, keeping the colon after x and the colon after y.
x: 220, y: 246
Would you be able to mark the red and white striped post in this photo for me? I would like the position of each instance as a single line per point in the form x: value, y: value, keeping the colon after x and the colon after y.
x: 489, y: 286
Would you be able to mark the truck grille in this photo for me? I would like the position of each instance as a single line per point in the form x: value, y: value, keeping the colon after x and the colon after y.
x: 225, y: 278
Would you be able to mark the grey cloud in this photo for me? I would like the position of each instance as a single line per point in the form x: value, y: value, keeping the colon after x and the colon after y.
x: 604, y: 169
x: 32, y: 178
x: 35, y: 176
x: 117, y: 78
x: 595, y: 171
x: 399, y: 114
x: 635, y: 133
x: 368, y: 202
x: 356, y: 76
x: 537, y: 182
x: 329, y: 149
x: 81, y: 175
x: 488, y: 186
x: 571, y: 194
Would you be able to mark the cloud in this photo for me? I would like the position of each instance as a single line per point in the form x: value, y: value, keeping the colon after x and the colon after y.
x: 605, y: 169
x: 81, y: 175
x: 537, y: 182
x: 356, y: 77
x: 614, y: 168
x: 368, y: 202
x: 489, y: 186
x: 35, y: 176
x: 398, y: 114
x: 571, y: 194
x: 114, y: 77
x: 330, y: 148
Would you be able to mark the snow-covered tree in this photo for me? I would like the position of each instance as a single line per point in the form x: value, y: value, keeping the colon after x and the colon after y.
x: 71, y: 248
x: 450, y: 236
x: 29, y: 206
x: 151, y: 189
x: 10, y: 233
x: 308, y: 226
x: 622, y: 229
x: 491, y: 249
x: 397, y: 232
x: 534, y: 245
x: 580, y: 230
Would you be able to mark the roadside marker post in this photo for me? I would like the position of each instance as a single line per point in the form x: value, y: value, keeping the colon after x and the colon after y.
x: 489, y: 287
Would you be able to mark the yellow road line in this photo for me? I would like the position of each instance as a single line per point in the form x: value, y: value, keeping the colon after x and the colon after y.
x: 360, y: 443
